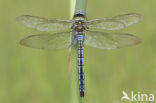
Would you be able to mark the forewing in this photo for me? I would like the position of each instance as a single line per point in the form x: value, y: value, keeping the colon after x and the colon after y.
x: 43, y: 24
x: 105, y: 23
x: 105, y: 40
x: 48, y: 41
x: 55, y: 25
x: 129, y: 19
x: 115, y: 23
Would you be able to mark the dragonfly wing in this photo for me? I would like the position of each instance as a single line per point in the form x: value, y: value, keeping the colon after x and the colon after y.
x: 106, y: 24
x: 54, y: 25
x: 43, y: 24
x: 105, y: 40
x: 129, y: 19
x: 115, y: 23
x: 48, y: 41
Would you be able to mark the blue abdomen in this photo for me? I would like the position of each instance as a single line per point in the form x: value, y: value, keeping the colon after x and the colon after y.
x: 80, y: 39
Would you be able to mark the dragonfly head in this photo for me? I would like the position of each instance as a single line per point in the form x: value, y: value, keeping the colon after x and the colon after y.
x: 79, y: 14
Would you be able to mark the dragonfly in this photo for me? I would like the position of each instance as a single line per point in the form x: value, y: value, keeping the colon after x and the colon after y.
x: 63, y: 34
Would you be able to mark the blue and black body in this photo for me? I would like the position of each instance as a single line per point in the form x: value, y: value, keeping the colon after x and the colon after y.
x: 80, y: 39
x: 79, y: 28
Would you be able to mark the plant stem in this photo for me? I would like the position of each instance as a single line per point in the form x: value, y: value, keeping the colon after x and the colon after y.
x: 73, y: 56
x: 81, y: 5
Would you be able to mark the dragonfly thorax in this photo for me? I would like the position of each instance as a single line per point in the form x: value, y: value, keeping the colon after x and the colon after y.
x: 79, y: 26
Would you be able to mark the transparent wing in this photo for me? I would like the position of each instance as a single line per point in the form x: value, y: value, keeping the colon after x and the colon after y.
x: 48, y: 41
x: 115, y: 23
x: 43, y: 24
x: 105, y: 40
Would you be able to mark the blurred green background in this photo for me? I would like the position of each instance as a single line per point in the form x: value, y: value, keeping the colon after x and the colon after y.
x: 35, y: 76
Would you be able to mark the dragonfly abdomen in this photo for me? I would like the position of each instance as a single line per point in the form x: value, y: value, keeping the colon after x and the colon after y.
x: 80, y: 39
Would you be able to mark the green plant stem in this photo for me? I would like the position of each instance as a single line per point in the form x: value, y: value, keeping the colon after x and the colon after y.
x: 81, y: 5
x: 73, y: 59
x: 74, y: 85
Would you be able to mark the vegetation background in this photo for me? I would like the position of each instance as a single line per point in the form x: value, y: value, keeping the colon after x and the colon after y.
x: 36, y: 76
